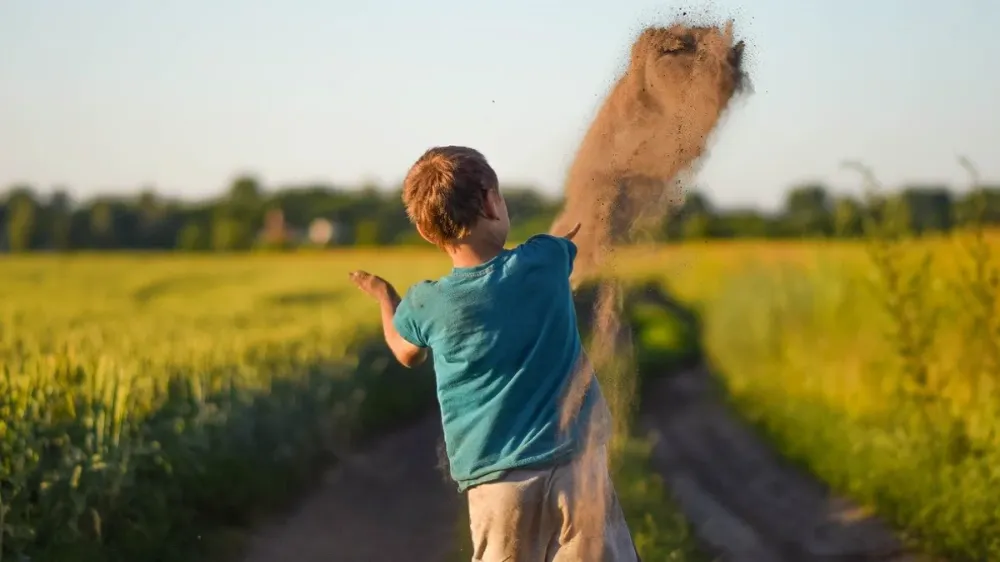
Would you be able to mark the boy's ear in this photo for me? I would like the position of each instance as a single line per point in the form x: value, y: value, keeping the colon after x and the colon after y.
x: 491, y: 204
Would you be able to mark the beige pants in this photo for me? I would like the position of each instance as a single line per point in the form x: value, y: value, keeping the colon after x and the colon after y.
x: 567, y: 513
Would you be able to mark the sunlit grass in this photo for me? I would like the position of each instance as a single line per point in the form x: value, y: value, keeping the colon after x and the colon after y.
x: 143, y: 398
x: 153, y: 395
x: 797, y: 330
x: 804, y: 337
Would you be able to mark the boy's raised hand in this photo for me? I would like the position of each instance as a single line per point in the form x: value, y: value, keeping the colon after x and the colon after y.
x: 375, y: 286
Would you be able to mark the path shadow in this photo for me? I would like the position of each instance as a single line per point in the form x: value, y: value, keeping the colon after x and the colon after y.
x: 385, y: 498
x: 163, y: 286
x: 383, y: 503
x: 305, y: 298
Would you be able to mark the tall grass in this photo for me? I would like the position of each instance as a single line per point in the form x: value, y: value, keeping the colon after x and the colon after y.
x: 146, y: 403
x: 873, y: 364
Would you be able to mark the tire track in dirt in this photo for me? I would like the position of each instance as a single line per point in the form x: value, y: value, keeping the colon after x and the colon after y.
x: 744, y: 502
x: 385, y: 504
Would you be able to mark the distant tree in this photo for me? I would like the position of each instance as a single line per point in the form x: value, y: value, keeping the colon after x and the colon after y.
x: 808, y: 210
x: 366, y: 233
x: 696, y: 203
x: 744, y: 223
x: 980, y: 204
x: 245, y: 190
x: 102, y: 224
x: 60, y: 218
x: 691, y: 220
x: 848, y: 217
x: 22, y: 215
x: 151, y: 219
x: 245, y: 203
x: 697, y: 227
x: 929, y: 208
x: 527, y: 202
x: 193, y: 238
x: 230, y: 234
x: 375, y: 216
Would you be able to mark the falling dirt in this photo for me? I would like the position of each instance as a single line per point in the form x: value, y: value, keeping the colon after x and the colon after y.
x: 653, y: 126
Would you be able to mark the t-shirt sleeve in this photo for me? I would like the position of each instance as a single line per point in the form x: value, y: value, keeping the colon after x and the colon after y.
x: 407, y: 321
x: 556, y: 248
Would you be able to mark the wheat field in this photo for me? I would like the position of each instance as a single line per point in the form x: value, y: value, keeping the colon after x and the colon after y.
x: 135, y: 387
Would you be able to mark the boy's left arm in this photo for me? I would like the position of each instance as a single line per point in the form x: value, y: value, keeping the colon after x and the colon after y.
x: 388, y: 299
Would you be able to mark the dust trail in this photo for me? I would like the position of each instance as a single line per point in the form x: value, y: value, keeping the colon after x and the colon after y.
x: 652, y: 127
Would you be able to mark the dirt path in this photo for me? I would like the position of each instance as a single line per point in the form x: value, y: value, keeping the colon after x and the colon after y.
x: 386, y: 504
x: 745, y: 503
x: 391, y: 502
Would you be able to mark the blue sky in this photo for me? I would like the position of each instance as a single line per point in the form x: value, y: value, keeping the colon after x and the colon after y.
x: 110, y: 95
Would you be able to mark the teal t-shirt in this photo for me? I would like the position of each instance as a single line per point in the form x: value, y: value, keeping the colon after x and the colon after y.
x: 504, y: 339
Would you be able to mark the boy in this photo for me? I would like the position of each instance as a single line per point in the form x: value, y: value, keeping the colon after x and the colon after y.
x: 506, y: 349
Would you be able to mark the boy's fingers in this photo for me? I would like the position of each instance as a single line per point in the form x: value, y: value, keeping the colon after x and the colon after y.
x: 359, y: 276
x: 569, y: 235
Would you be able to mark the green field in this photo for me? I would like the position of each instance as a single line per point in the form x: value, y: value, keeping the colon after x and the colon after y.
x: 147, y: 398
x: 152, y: 404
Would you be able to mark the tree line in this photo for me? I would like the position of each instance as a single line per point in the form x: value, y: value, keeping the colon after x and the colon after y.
x: 248, y: 216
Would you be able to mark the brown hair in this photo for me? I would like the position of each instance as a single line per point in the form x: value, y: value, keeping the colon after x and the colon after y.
x: 444, y: 191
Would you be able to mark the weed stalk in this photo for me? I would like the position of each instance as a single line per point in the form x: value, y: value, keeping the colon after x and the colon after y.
x: 980, y: 282
x: 903, y: 291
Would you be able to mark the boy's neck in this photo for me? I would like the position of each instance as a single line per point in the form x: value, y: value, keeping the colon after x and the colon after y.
x: 471, y: 254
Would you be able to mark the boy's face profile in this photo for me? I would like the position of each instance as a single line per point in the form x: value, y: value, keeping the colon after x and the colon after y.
x: 495, y: 215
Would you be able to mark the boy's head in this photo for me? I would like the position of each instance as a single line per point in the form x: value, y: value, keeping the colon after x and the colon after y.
x: 452, y: 196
